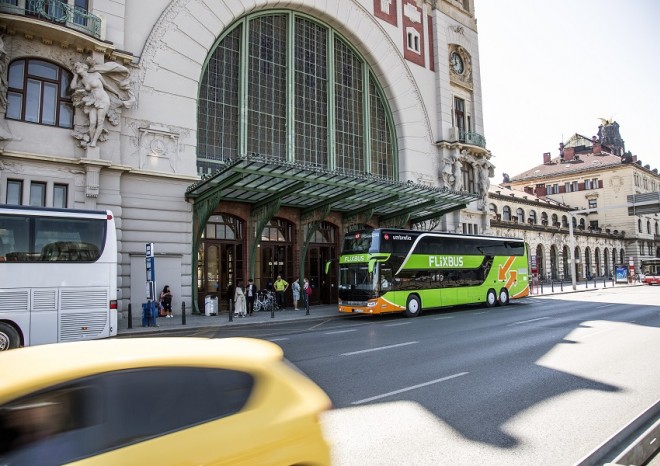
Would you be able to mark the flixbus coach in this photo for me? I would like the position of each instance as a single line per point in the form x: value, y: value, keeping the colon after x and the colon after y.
x: 391, y: 270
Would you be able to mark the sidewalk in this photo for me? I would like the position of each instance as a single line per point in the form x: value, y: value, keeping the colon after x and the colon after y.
x: 164, y: 324
x: 322, y: 311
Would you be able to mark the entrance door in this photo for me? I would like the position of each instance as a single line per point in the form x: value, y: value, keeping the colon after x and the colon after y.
x: 324, y: 286
x: 223, y: 265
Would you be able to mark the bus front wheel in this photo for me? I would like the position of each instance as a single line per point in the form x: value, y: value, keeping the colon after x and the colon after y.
x: 413, y: 306
x: 504, y: 297
x: 491, y: 298
x: 8, y: 337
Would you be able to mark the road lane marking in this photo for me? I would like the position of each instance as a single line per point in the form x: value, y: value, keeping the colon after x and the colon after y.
x: 278, y: 339
x: 407, y: 389
x: 477, y: 313
x: 398, y: 323
x: 339, y: 331
x: 446, y: 317
x: 527, y: 321
x: 379, y: 348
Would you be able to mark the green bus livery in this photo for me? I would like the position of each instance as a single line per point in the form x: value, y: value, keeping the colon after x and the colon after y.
x: 391, y: 270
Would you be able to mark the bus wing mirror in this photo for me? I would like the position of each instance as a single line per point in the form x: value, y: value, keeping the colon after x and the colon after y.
x: 372, y: 264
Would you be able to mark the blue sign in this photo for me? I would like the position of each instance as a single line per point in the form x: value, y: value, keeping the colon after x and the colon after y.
x: 621, y: 274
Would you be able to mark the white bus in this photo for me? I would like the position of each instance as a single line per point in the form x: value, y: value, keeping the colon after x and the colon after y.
x: 58, y: 275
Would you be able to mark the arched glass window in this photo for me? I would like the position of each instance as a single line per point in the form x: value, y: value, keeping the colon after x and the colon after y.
x: 532, y: 217
x: 38, y: 92
x: 657, y: 228
x: 544, y: 218
x: 639, y: 225
x: 564, y: 221
x: 289, y: 88
x: 648, y: 227
x: 506, y: 213
x: 582, y: 224
x: 467, y: 171
x: 555, y: 220
x: 493, y: 209
x: 521, y: 215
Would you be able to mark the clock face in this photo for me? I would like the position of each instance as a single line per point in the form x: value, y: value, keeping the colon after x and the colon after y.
x: 456, y: 63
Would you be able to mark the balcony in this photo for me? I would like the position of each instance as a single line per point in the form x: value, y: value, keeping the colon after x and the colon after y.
x: 470, y: 137
x: 57, y: 12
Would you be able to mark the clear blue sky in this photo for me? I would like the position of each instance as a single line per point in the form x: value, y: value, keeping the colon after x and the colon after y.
x: 550, y: 69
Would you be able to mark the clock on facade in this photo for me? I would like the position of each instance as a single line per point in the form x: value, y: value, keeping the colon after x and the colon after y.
x: 456, y: 63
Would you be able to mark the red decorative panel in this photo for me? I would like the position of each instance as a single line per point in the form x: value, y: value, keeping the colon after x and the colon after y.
x: 386, y: 10
x: 413, y: 32
x: 431, y: 43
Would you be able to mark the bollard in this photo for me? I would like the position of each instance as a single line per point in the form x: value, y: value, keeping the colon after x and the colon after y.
x: 306, y: 304
x: 604, y: 282
x: 561, y: 284
x: 541, y: 287
x: 586, y: 283
x: 552, y: 285
x: 183, y: 313
x: 272, y: 312
x: 130, y: 316
x: 231, y: 310
x: 594, y: 282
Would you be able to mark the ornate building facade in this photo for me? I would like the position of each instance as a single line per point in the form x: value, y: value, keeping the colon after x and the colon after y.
x: 598, y: 175
x: 243, y: 138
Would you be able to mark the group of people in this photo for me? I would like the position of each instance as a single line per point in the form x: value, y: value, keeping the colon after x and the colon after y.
x: 244, y: 299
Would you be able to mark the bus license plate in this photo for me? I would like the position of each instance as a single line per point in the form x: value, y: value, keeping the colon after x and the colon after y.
x: 358, y: 311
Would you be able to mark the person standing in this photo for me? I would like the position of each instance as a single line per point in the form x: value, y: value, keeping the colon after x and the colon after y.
x: 250, y: 296
x: 281, y: 286
x: 295, y: 289
x: 239, y: 300
x: 166, y: 301
x: 307, y: 292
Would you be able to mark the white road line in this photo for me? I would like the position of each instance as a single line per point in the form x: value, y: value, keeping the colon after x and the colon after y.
x: 338, y: 331
x: 379, y: 348
x: 278, y: 339
x: 396, y: 324
x: 442, y: 318
x: 407, y: 389
x: 476, y: 313
x: 526, y: 321
x: 607, y: 305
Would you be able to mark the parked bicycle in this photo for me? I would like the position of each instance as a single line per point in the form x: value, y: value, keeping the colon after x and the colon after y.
x: 265, y: 301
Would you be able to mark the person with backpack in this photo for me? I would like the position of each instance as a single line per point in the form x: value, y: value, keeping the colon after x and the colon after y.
x: 307, y: 293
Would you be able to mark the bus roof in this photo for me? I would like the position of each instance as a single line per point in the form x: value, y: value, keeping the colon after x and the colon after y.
x: 50, y: 210
x: 438, y: 233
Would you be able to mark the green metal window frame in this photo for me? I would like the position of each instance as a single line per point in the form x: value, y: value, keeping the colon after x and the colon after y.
x: 311, y: 139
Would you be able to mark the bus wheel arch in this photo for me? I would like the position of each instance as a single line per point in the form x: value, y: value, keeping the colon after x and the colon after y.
x: 9, y: 337
x: 413, y: 306
x: 491, y: 298
x: 504, y: 297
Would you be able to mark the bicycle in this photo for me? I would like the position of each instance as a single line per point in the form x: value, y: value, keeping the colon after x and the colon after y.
x: 265, y: 301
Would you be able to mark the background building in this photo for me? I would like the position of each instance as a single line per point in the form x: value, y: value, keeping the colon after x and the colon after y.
x: 597, y: 173
x: 243, y: 138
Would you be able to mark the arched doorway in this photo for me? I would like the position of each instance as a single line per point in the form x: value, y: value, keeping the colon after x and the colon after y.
x: 597, y: 272
x: 587, y: 262
x: 322, y: 248
x: 566, y: 256
x: 577, y: 262
x: 614, y: 261
x: 606, y: 262
x: 540, y: 262
x: 221, y: 258
x: 275, y: 254
x: 553, y: 262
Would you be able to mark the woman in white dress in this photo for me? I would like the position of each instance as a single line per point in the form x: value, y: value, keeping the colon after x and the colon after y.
x: 240, y: 308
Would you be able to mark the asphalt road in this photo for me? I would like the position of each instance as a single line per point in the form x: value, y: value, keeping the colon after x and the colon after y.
x: 543, y: 381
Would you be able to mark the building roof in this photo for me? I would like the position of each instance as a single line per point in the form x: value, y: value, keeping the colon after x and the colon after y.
x: 258, y: 180
x: 586, y: 162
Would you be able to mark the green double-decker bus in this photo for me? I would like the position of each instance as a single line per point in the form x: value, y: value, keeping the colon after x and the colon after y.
x: 392, y: 270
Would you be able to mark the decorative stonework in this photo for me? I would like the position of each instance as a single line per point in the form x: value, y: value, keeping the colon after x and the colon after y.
x: 463, y: 79
x: 157, y: 141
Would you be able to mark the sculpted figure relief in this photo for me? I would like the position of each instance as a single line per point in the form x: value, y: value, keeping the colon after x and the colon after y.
x: 100, y: 92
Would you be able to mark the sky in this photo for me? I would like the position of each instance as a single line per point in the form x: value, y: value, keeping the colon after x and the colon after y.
x: 550, y: 69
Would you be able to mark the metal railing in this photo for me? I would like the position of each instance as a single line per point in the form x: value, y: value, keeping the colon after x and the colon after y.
x: 473, y: 138
x: 55, y: 11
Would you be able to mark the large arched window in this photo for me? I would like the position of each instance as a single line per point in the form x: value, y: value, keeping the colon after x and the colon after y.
x: 506, y: 213
x: 520, y: 213
x: 532, y: 217
x: 38, y: 92
x: 288, y: 88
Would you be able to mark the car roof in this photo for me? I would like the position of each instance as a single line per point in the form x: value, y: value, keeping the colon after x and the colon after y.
x: 28, y: 369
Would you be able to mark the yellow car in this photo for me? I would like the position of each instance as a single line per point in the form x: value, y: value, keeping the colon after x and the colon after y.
x: 183, y: 401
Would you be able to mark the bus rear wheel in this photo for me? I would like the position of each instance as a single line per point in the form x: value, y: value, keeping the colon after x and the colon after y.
x: 491, y: 298
x: 504, y: 297
x: 413, y: 306
x: 8, y: 337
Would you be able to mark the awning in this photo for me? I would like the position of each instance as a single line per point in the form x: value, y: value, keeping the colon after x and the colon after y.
x: 256, y: 181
